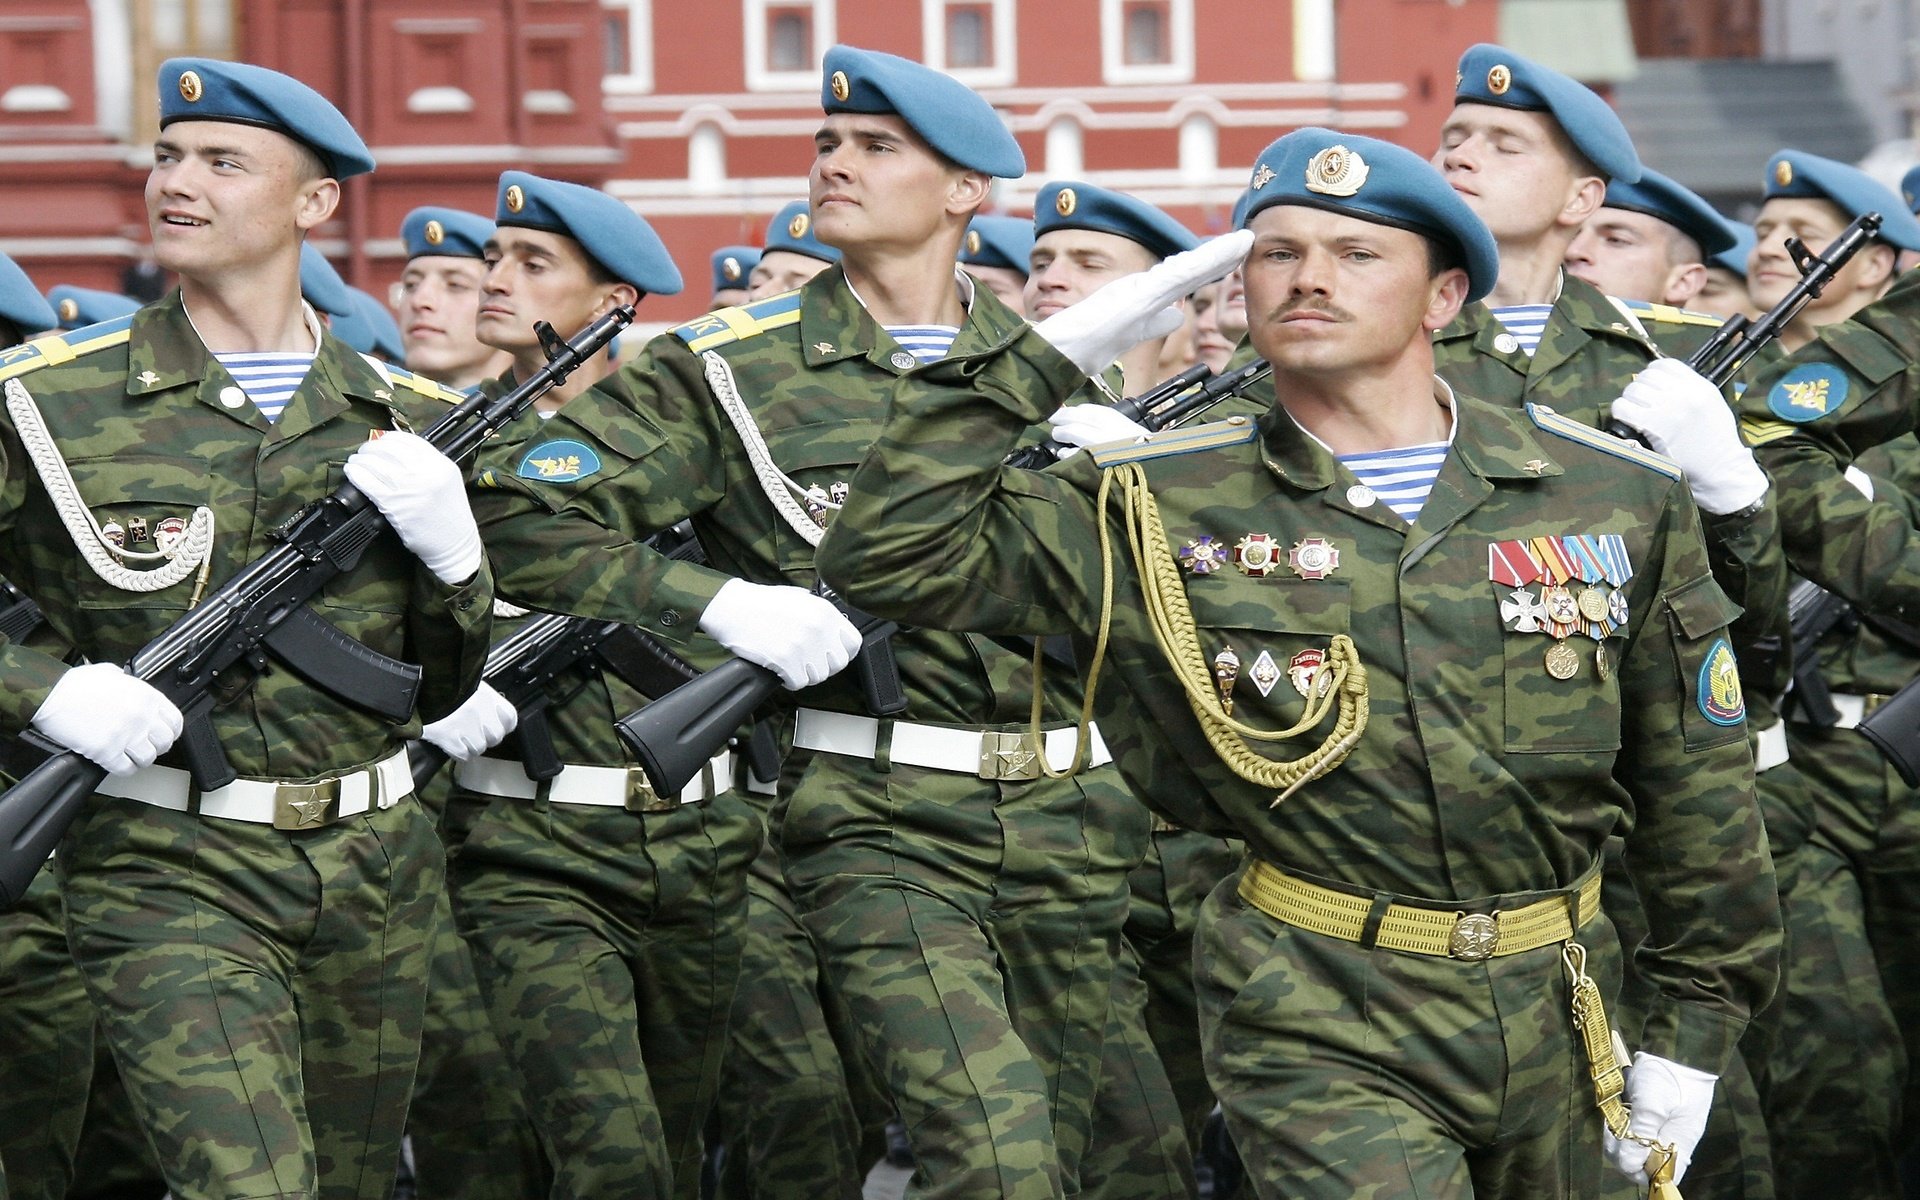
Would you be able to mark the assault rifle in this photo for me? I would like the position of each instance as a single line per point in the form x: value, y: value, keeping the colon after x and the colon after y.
x: 1163, y: 406
x: 1812, y: 611
x: 1735, y: 343
x: 221, y: 646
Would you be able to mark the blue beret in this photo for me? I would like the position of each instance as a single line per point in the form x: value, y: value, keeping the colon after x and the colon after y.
x: 792, y: 229
x: 1498, y: 76
x: 1734, y: 258
x: 1910, y: 189
x: 445, y: 231
x: 369, y: 328
x: 78, y: 307
x: 610, y: 233
x: 1375, y: 181
x: 1660, y: 197
x: 21, y: 302
x: 206, y: 89
x: 1071, y: 205
x: 948, y: 114
x: 322, y: 285
x: 1239, y: 218
x: 732, y: 265
x: 1797, y: 174
x: 998, y: 242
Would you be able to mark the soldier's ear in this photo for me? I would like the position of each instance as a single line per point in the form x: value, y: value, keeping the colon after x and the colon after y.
x: 616, y: 295
x: 1876, y: 266
x: 1585, y: 195
x: 1684, y: 282
x: 318, y: 198
x: 967, y: 192
x: 1445, y: 300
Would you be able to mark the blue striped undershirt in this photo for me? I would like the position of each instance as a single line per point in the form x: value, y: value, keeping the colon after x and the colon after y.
x: 1526, y: 322
x: 269, y: 378
x: 927, y: 343
x: 1400, y: 479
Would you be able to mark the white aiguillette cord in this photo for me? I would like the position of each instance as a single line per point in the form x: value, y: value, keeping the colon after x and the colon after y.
x: 774, y: 482
x: 189, y: 554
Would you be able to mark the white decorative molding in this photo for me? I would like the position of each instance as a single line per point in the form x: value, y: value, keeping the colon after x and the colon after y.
x: 35, y: 98
x: 439, y: 100
x: 639, y: 75
x: 548, y: 102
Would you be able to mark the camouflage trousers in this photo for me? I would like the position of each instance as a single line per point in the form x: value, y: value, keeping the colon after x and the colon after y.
x: 472, y: 1137
x: 971, y: 927
x: 1349, y: 1072
x: 799, y: 1112
x: 261, y: 991
x: 46, y: 1024
x: 607, y: 944
x: 1842, y: 1067
x: 1153, y: 1098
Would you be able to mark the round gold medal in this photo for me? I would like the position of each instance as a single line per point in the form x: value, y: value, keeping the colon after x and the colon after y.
x: 1563, y: 661
x: 1593, y: 604
x: 1602, y: 666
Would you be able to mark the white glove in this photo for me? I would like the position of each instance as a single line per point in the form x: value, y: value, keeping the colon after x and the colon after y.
x: 1080, y: 425
x: 797, y: 635
x: 101, y: 712
x: 1687, y: 419
x: 420, y: 492
x: 1670, y: 1104
x: 476, y: 727
x: 1094, y: 333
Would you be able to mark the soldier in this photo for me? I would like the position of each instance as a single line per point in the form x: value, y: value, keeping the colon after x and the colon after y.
x: 996, y: 251
x: 1832, y: 425
x: 964, y: 904
x: 438, y: 297
x: 732, y: 267
x: 1211, y: 344
x: 1649, y: 241
x: 1085, y: 236
x: 79, y: 307
x: 605, y: 919
x: 1724, y: 294
x: 793, y: 253
x: 256, y: 953
x: 369, y: 328
x: 1371, y: 1026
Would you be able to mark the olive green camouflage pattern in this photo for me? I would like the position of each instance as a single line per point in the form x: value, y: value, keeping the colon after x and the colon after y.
x: 937, y: 1011
x: 1483, y: 774
x: 46, y: 1023
x: 262, y: 990
x: 799, y: 1109
x: 118, y: 1158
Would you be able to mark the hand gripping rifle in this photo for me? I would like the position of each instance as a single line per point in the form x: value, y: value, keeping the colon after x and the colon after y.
x: 221, y: 646
x: 1167, y: 404
x: 1738, y: 339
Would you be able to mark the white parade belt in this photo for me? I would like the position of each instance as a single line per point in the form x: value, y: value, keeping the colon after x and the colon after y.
x: 603, y: 787
x: 1770, y: 746
x: 282, y: 805
x: 988, y: 754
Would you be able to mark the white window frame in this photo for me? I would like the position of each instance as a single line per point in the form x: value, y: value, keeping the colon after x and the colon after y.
x: 759, y: 77
x: 1114, y: 68
x: 933, y: 43
x: 639, y: 76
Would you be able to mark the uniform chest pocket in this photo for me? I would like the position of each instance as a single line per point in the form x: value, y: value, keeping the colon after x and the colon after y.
x: 1548, y: 714
x: 821, y: 458
x: 143, y: 506
x: 1264, y: 639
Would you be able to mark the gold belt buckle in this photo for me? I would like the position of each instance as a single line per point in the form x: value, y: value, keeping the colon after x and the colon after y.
x: 642, y: 798
x: 1008, y: 756
x: 305, y: 805
x: 1871, y: 702
x: 1475, y: 935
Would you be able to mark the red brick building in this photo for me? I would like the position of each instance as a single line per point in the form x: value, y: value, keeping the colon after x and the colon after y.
x: 698, y: 113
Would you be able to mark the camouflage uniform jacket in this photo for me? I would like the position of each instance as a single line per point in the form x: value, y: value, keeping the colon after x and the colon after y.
x: 1479, y: 774
x: 151, y: 426
x: 653, y: 448
x: 1588, y: 353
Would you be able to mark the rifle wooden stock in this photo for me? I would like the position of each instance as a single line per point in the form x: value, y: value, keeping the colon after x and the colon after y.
x: 218, y: 644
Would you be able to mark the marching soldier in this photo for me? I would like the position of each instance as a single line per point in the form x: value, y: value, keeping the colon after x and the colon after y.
x: 438, y: 297
x: 996, y: 251
x: 1085, y: 236
x: 1650, y: 241
x: 793, y: 253
x: 965, y: 905
x: 1831, y: 424
x: 257, y: 953
x: 1390, y: 987
x: 732, y: 268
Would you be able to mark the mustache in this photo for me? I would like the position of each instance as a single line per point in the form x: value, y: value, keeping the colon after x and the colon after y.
x: 1312, y: 306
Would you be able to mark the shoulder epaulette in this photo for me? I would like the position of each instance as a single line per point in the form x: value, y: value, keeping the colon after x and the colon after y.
x: 1231, y: 432
x: 420, y: 383
x: 1649, y: 311
x: 54, y: 349
x: 726, y: 325
x: 1606, y: 443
